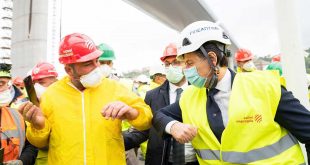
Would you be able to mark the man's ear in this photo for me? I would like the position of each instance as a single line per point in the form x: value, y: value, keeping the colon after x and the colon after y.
x: 213, y: 57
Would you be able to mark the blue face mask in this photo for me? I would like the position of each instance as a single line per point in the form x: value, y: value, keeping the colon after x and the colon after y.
x: 194, y: 78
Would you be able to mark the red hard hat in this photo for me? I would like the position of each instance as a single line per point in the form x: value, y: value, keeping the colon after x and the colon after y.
x: 18, y: 81
x: 243, y: 55
x: 170, y: 50
x: 76, y: 48
x: 42, y: 70
x: 276, y: 58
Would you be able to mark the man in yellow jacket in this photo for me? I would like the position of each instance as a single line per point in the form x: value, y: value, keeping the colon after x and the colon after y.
x: 80, y: 116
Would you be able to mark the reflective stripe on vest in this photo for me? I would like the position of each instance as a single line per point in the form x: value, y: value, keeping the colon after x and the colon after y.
x: 272, y: 150
x: 9, y: 133
x: 208, y: 154
x: 277, y: 148
x: 21, y: 130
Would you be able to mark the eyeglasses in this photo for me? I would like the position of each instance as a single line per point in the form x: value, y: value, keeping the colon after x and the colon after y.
x: 173, y: 63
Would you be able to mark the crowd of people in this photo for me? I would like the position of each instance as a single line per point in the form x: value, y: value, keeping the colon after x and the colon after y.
x: 192, y: 110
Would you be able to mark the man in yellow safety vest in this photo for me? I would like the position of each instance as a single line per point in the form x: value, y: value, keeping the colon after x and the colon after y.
x: 244, y: 118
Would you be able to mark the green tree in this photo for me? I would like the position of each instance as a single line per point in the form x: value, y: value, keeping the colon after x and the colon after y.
x: 266, y: 58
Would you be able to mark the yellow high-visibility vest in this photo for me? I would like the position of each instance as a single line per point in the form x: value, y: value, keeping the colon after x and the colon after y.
x: 251, y: 135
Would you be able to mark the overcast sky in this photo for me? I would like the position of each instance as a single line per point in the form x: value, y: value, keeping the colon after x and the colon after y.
x: 139, y: 40
x: 253, y: 23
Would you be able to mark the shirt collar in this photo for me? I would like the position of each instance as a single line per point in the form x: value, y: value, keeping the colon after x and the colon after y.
x: 225, y: 84
x: 173, y: 87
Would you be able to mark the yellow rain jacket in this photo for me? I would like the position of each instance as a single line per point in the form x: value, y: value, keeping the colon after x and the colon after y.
x: 75, y: 130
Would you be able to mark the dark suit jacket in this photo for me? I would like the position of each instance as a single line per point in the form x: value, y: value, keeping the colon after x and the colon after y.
x: 157, y: 149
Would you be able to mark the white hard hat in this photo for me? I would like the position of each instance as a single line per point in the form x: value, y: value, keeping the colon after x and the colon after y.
x: 197, y: 33
x: 142, y: 78
x: 156, y: 69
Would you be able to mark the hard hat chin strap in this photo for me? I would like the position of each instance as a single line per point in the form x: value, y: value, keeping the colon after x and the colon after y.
x: 211, y: 82
x: 226, y: 52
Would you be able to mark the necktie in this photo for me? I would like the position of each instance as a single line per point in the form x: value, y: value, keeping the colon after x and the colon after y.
x: 178, y: 148
x: 179, y: 91
x: 214, y: 115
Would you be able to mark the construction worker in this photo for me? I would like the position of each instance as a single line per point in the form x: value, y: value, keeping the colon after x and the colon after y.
x: 14, y: 148
x: 244, y: 59
x: 106, y: 61
x: 43, y: 75
x: 157, y: 76
x: 80, y: 116
x: 276, y: 58
x: 18, y: 82
x: 244, y: 118
x: 17, y: 96
x: 141, y: 85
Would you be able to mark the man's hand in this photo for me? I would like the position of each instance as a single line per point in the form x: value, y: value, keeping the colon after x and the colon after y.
x: 32, y: 114
x: 183, y: 133
x: 119, y: 110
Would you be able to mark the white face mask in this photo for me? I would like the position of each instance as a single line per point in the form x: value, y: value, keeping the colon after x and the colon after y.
x: 92, y: 79
x: 106, y: 70
x: 39, y: 90
x: 174, y: 74
x: 249, y: 66
x: 7, y: 96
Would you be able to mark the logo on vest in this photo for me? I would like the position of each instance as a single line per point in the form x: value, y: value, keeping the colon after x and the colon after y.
x: 258, y: 118
x: 250, y: 119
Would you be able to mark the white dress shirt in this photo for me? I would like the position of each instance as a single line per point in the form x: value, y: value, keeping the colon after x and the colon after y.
x: 222, y: 97
x: 173, y: 91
